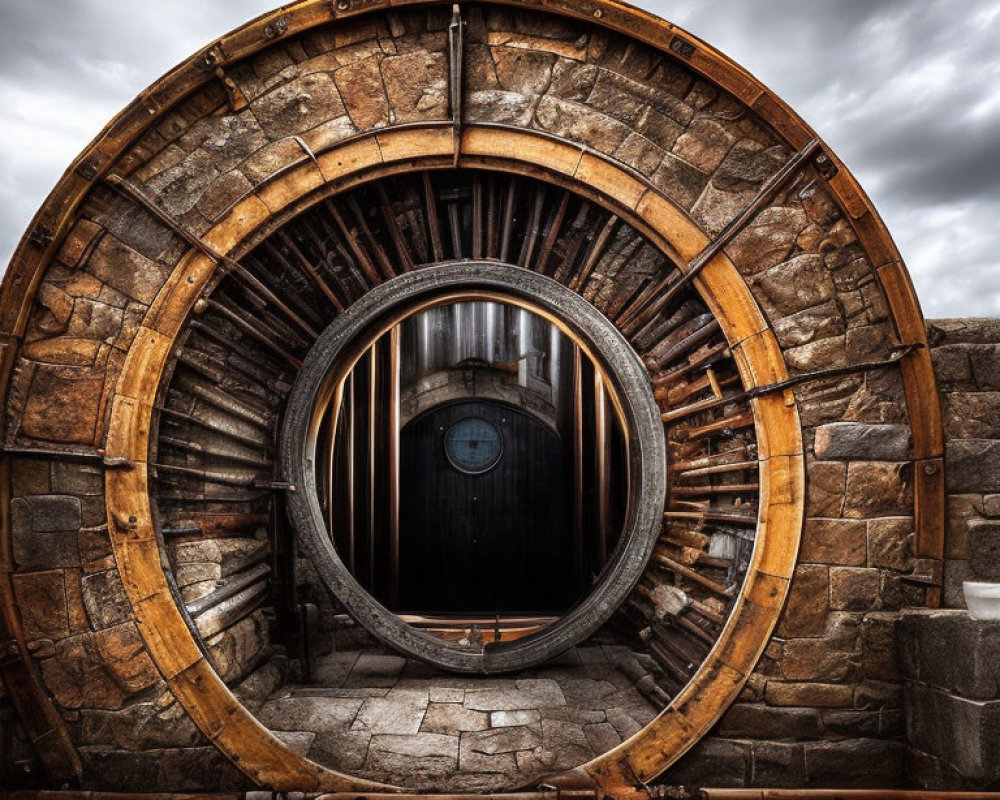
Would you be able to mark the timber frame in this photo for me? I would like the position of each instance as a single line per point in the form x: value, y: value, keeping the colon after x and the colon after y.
x: 188, y: 674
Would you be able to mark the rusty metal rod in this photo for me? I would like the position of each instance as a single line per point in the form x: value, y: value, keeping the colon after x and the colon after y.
x: 641, y: 312
x: 234, y: 586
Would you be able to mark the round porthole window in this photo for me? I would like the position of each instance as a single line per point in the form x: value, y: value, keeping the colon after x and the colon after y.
x: 473, y: 445
x: 444, y: 436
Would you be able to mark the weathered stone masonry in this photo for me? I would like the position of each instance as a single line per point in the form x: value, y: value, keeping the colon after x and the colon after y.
x: 843, y: 692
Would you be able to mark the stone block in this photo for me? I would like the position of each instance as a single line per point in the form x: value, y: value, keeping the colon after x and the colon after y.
x: 715, y: 762
x: 105, y: 600
x: 825, y: 482
x: 855, y: 764
x: 682, y: 182
x: 859, y: 441
x: 951, y: 651
x: 973, y: 466
x: 376, y: 670
x: 705, y: 144
x: 99, y: 670
x: 581, y: 123
x: 971, y: 415
x: 525, y: 694
x: 965, y: 733
x: 139, y: 727
x: 70, y: 478
x: 802, y: 327
x: 41, y: 598
x: 399, y: 712
x: 877, y: 695
x: 834, y: 541
x: 767, y: 240
x: 452, y: 718
x: 794, y: 285
x: 298, y: 105
x: 952, y: 368
x: 360, y: 85
x: 852, y: 723
x: 985, y: 362
x: 809, y: 695
x: 834, y: 658
x: 878, y: 489
x: 435, y: 753
x: 966, y: 330
x: 416, y: 85
x: 984, y: 549
x: 854, y: 588
x: 752, y: 721
x: 121, y: 771
x: 880, y: 659
x: 346, y: 752
x: 777, y: 765
x: 127, y: 270
x: 956, y: 572
x: 44, y: 531
x: 320, y: 714
x: 890, y: 543
x: 808, y: 602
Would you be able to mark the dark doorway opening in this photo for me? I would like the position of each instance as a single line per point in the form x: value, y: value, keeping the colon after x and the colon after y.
x: 484, y: 538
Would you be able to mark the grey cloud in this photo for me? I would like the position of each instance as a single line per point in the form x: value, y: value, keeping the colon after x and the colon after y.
x: 907, y: 92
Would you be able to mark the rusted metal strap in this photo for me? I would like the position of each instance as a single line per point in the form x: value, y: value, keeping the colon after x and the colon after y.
x: 456, y: 72
x: 831, y: 372
x: 654, y: 299
x: 675, y: 414
x: 130, y: 191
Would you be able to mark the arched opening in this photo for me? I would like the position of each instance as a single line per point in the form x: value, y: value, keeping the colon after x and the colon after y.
x: 532, y: 456
x: 477, y: 481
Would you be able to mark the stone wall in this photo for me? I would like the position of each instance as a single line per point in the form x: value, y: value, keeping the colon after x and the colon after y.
x: 966, y: 356
x: 949, y: 660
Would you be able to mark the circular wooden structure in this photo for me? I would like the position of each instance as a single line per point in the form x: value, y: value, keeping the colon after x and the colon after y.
x: 88, y: 400
x: 322, y: 378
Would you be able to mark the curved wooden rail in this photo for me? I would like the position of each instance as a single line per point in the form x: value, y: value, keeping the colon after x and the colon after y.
x: 190, y: 677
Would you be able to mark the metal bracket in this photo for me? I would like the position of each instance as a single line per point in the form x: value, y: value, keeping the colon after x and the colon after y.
x: 345, y: 7
x: 90, y: 167
x: 456, y: 72
x: 41, y: 236
x: 926, y: 572
x: 275, y: 29
x: 274, y: 486
x: 682, y: 47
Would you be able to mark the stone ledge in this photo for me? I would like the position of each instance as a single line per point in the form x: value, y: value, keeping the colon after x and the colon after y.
x: 964, y: 733
x: 950, y: 650
x: 850, y: 441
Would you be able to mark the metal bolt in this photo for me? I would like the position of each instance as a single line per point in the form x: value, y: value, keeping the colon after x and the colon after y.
x: 930, y: 469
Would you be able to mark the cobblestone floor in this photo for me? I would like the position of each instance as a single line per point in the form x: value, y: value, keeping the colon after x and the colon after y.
x: 383, y: 717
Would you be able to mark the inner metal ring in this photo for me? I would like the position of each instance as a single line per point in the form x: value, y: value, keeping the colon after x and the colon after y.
x: 320, y: 382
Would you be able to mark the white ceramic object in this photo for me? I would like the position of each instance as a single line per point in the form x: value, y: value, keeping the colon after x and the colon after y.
x: 982, y: 599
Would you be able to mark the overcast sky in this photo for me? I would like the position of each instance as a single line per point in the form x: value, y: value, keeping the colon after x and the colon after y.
x: 906, y: 92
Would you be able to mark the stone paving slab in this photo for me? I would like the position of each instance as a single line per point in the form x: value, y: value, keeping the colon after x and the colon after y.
x: 379, y: 716
x: 317, y: 714
x: 453, y: 717
x: 401, y: 711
